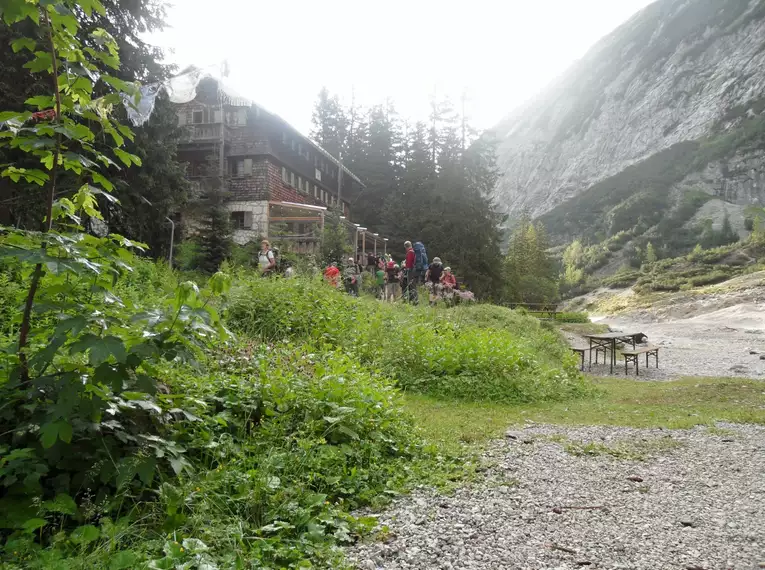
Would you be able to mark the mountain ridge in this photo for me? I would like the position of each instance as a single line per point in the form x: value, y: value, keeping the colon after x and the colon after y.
x: 677, y: 71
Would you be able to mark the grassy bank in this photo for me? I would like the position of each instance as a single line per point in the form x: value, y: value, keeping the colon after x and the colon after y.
x: 164, y: 442
x: 680, y: 404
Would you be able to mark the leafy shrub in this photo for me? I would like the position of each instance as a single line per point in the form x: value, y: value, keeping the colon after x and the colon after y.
x: 188, y: 255
x: 572, y: 317
x: 473, y: 352
x: 291, y: 439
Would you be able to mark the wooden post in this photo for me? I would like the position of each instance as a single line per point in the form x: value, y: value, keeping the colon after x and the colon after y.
x: 364, y: 243
x: 321, y: 238
x: 375, y: 247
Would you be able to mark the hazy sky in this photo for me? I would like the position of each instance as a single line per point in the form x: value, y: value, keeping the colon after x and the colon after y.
x: 281, y: 52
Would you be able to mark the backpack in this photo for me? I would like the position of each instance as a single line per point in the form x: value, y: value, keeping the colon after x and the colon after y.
x: 420, y: 257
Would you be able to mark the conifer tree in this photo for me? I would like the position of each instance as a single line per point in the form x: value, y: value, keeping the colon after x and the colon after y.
x: 330, y: 124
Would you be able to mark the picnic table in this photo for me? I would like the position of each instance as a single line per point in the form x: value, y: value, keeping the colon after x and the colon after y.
x: 607, y: 342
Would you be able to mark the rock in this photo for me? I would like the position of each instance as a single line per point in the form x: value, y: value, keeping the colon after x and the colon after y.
x: 635, y: 478
x: 754, y: 352
x: 558, y: 511
x: 584, y: 134
x: 583, y: 563
x: 762, y: 357
x: 688, y: 523
x: 527, y: 441
x: 739, y: 369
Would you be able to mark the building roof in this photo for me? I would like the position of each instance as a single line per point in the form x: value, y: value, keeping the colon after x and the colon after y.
x: 236, y: 100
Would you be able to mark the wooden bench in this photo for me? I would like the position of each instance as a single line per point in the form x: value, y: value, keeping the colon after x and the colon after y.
x: 580, y: 351
x: 632, y: 356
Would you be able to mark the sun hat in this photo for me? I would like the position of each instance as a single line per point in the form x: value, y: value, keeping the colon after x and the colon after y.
x: 437, y: 260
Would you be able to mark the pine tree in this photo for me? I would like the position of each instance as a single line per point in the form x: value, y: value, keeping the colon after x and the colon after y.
x: 650, y: 254
x: 335, y: 246
x: 330, y: 124
x: 215, y: 234
x: 530, y: 274
x: 573, y: 260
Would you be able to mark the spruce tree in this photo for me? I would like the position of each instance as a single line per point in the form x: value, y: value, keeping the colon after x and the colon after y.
x: 330, y: 124
x: 160, y: 179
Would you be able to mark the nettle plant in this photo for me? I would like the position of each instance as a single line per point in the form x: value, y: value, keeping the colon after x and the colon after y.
x: 82, y: 411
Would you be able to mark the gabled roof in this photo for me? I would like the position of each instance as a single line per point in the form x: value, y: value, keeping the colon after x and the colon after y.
x: 236, y: 100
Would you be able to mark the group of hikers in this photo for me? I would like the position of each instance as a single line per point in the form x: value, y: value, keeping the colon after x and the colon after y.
x: 393, y: 281
x: 397, y: 281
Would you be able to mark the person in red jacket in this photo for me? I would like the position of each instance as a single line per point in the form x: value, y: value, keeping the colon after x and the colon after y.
x: 409, y: 289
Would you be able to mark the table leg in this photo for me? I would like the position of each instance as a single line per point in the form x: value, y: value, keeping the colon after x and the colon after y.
x: 590, y: 354
x: 613, y: 354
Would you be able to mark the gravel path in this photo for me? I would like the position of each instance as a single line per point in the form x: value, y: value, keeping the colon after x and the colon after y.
x: 696, y: 500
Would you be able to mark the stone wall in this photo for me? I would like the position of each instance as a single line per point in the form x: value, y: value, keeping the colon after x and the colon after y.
x: 256, y: 220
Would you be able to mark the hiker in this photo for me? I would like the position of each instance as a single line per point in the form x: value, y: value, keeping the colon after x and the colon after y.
x: 332, y: 275
x: 380, y: 282
x: 433, y: 279
x: 351, y: 276
x: 391, y: 281
x: 371, y: 262
x: 266, y: 258
x: 449, y: 282
x: 409, y: 282
x: 420, y: 261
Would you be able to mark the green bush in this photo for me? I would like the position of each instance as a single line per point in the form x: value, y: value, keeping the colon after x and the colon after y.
x: 472, y: 352
x: 572, y: 317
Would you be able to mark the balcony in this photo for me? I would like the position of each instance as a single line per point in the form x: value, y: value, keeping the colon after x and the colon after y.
x: 204, y: 132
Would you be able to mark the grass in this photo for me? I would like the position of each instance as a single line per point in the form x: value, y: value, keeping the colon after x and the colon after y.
x: 680, y: 404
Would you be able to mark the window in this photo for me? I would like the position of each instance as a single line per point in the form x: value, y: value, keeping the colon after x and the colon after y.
x: 238, y: 220
x: 237, y: 117
x: 292, y: 179
x: 198, y: 117
x: 300, y: 184
x: 284, y: 138
x: 300, y: 149
x: 241, y: 167
x: 285, y: 177
x: 315, y: 191
x: 294, y: 144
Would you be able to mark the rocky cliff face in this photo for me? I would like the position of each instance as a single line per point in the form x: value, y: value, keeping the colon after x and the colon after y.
x: 680, y: 70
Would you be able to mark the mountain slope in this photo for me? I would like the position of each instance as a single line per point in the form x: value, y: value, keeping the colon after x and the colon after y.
x: 683, y: 80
